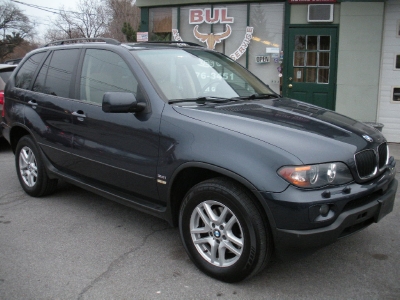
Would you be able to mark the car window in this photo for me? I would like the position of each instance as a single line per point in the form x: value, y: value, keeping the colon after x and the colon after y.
x: 5, y: 74
x: 55, y: 76
x: 2, y: 84
x: 105, y: 71
x: 24, y: 76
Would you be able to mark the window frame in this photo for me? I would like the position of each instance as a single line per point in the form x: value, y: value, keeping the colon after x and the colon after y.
x: 392, y: 95
x: 395, y: 62
x: 35, y: 72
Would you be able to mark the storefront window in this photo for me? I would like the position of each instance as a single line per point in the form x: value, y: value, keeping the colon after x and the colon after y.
x: 162, y: 20
x: 195, y: 15
x: 268, y: 22
x: 255, y: 43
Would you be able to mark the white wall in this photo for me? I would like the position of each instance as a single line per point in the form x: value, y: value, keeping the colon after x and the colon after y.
x: 360, y: 40
x: 389, y: 111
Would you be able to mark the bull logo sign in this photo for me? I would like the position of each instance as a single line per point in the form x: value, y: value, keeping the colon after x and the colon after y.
x: 219, y: 15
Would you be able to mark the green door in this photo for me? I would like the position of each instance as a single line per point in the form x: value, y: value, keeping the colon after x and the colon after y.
x: 311, y: 68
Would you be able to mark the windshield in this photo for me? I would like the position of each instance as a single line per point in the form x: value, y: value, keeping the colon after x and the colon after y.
x: 191, y: 74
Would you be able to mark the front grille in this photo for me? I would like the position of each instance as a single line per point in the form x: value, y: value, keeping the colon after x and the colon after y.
x: 366, y: 163
x: 382, y: 154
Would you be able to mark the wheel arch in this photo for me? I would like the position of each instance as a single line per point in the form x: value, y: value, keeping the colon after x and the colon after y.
x: 16, y: 133
x: 192, y: 173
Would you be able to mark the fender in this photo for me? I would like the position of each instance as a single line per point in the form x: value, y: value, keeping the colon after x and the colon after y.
x: 227, y: 173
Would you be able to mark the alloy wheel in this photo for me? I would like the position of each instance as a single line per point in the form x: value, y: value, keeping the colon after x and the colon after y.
x: 28, y: 166
x: 216, y: 233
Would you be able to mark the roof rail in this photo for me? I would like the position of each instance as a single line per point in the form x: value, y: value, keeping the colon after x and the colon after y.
x: 83, y: 40
x: 177, y: 43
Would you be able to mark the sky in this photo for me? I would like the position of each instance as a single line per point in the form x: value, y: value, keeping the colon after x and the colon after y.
x: 43, y: 16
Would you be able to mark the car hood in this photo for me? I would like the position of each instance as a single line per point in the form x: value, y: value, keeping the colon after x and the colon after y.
x: 312, y: 134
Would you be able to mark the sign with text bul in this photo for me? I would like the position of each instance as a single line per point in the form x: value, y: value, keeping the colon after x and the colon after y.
x: 199, y: 16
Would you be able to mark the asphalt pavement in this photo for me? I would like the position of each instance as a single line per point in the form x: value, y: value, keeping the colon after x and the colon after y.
x: 77, y: 245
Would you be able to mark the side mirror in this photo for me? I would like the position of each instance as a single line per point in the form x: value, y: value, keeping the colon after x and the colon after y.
x: 118, y: 102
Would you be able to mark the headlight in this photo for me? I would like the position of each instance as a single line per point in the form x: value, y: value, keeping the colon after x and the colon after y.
x: 314, y: 176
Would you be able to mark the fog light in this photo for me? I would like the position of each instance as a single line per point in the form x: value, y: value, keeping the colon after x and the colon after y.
x: 324, y: 210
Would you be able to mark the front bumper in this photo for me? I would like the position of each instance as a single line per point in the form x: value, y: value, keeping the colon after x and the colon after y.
x: 347, y: 223
x: 353, y: 211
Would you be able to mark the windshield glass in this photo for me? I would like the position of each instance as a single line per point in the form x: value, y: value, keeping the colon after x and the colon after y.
x: 191, y: 73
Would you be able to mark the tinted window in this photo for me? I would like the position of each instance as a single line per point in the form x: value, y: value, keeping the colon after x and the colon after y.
x: 25, y: 74
x: 4, y: 75
x: 39, y: 85
x: 56, y: 74
x: 105, y: 71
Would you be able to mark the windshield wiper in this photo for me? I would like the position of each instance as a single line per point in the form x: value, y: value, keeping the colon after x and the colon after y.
x: 257, y: 96
x: 202, y: 100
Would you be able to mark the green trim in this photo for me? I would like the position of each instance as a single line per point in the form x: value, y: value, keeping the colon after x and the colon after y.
x: 285, y: 50
x: 144, y: 23
x: 248, y: 24
x: 178, y: 15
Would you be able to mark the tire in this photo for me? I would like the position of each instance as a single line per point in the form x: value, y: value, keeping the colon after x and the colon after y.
x: 30, y: 169
x: 223, y: 232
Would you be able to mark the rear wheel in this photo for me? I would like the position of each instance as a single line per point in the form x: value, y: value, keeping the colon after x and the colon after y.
x: 223, y: 232
x: 30, y: 169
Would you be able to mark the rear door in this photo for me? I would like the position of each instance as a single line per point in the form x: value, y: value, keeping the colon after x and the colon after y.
x: 48, y: 111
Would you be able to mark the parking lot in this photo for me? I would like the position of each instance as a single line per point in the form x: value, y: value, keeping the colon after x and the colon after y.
x: 77, y: 245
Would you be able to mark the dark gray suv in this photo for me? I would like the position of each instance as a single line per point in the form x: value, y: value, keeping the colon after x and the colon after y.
x: 188, y: 135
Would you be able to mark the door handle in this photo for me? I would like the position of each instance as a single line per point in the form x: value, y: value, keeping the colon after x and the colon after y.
x: 32, y: 102
x: 80, y: 115
x: 290, y: 85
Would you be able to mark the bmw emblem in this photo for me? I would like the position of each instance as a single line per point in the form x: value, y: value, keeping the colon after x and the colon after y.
x: 217, y: 234
x: 367, y: 138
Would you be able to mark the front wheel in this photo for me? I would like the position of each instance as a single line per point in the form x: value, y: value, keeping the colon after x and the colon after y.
x: 223, y: 232
x: 30, y: 169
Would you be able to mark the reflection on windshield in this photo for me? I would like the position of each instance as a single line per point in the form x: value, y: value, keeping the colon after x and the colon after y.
x: 189, y: 74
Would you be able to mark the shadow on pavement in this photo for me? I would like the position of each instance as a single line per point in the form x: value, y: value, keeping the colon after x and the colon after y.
x: 4, y: 145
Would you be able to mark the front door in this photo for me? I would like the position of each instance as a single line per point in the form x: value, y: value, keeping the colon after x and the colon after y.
x: 311, y: 67
x: 119, y: 150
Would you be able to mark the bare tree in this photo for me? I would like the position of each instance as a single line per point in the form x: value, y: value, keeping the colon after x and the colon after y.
x: 88, y: 21
x: 12, y: 19
x: 121, y: 13
x: 53, y: 34
x: 22, y: 49
x: 15, y: 27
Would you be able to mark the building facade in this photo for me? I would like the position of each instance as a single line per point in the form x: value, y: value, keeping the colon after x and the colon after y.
x: 341, y: 55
